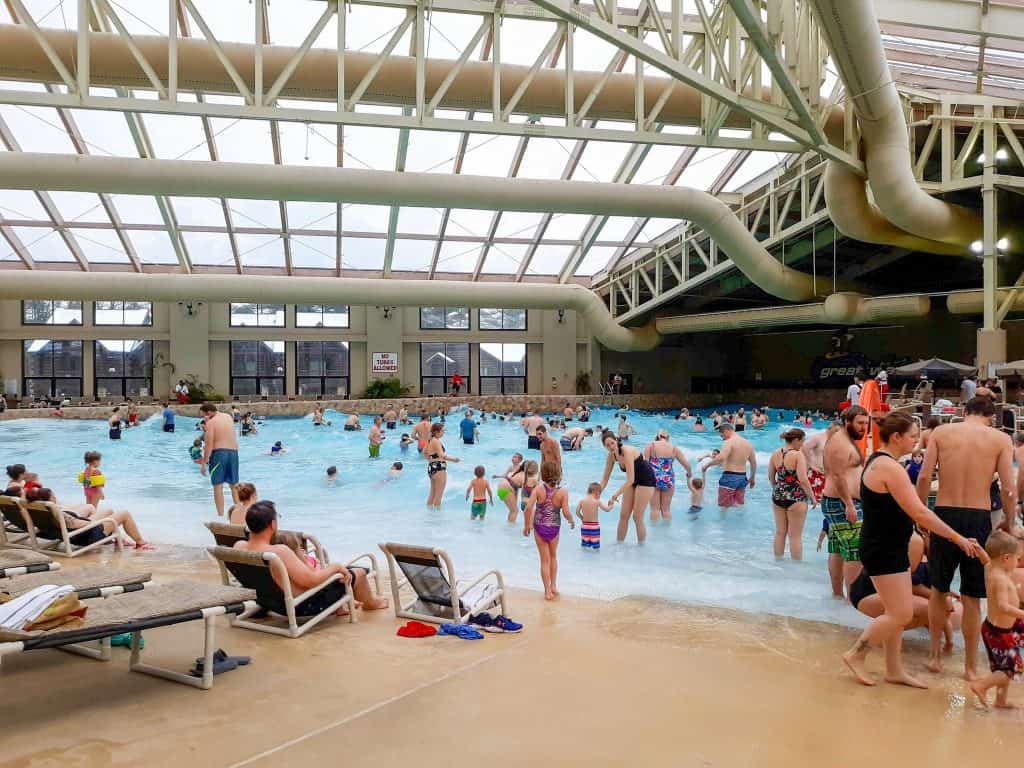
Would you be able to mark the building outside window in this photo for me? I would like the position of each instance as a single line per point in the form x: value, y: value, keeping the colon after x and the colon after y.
x: 257, y: 368
x: 123, y: 368
x: 257, y: 315
x: 321, y: 316
x: 322, y: 368
x: 46, y: 312
x: 444, y: 318
x: 438, y: 361
x: 51, y: 368
x: 502, y: 319
x: 502, y: 369
x: 122, y: 313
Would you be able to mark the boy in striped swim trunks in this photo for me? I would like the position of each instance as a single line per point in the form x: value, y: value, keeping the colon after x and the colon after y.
x: 588, y: 511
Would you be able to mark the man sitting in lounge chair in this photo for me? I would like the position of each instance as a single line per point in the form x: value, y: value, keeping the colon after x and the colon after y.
x: 261, y: 520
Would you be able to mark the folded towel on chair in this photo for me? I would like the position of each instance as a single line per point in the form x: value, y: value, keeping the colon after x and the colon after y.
x: 19, y: 613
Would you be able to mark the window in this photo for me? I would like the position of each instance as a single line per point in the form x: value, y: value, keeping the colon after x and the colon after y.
x: 444, y: 318
x: 321, y: 316
x: 123, y: 368
x: 438, y: 361
x: 502, y: 369
x: 502, y: 319
x: 257, y: 315
x: 257, y: 368
x: 36, y: 312
x: 52, y: 368
x: 321, y: 368
x: 122, y: 313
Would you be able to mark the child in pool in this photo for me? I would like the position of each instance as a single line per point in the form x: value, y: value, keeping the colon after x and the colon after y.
x: 395, y: 472
x: 195, y: 453
x: 277, y: 449
x: 542, y: 518
x: 1003, y: 629
x: 696, y: 485
x: 404, y: 442
x: 92, y: 479
x: 332, y: 475
x: 529, y: 483
x: 588, y: 511
x: 481, y: 490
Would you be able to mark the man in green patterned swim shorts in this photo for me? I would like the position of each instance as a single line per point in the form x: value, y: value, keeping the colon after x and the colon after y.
x: 840, y: 501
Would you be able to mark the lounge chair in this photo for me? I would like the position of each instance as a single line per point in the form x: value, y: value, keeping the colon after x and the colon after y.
x: 50, y: 524
x: 256, y: 571
x: 16, y: 529
x: 430, y: 573
x: 161, y: 606
x: 17, y: 562
x: 88, y: 581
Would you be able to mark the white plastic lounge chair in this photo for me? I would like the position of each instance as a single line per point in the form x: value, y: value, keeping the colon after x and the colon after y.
x: 430, y: 574
x: 51, y: 534
x: 88, y: 582
x: 17, y: 562
x: 256, y: 571
x: 161, y: 606
x: 16, y: 529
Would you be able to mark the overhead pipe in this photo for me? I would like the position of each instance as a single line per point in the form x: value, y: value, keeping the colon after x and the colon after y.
x: 134, y: 176
x: 95, y: 286
x: 973, y: 302
x: 855, y: 42
x: 112, y: 64
x: 837, y: 309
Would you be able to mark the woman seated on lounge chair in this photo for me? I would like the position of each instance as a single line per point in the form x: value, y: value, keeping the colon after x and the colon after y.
x: 261, y: 520
x: 80, y: 515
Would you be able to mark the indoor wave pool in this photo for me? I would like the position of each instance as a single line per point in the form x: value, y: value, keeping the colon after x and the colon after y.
x: 723, y: 560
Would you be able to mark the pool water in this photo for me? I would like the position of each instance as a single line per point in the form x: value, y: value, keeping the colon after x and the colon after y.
x: 718, y: 559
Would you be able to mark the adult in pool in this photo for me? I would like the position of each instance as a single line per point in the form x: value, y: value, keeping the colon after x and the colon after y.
x: 638, y: 489
x: 662, y: 455
x: 437, y: 465
x: 791, y: 494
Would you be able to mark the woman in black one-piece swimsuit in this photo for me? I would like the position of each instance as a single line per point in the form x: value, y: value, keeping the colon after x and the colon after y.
x: 891, y: 506
x: 636, y: 492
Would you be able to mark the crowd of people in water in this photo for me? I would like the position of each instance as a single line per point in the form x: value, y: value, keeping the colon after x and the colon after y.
x: 900, y: 521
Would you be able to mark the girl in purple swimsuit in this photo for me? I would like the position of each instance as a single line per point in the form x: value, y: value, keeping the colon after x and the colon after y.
x: 542, y: 517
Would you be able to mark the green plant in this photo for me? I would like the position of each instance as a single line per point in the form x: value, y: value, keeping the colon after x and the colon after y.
x: 160, y: 362
x: 583, y: 383
x: 202, y: 392
x: 385, y: 389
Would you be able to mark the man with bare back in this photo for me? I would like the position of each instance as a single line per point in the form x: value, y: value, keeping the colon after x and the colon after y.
x: 840, y: 500
x: 220, y: 453
x: 734, y: 457
x: 967, y: 454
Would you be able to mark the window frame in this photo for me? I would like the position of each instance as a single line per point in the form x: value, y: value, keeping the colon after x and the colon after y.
x: 257, y: 377
x: 446, y: 327
x: 446, y: 379
x: 503, y: 310
x: 96, y: 378
x: 122, y: 324
x: 52, y: 378
x: 347, y: 377
x: 233, y: 324
x: 323, y: 326
x: 79, y: 324
x: 503, y: 376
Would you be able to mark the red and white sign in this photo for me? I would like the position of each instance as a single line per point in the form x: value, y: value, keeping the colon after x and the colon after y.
x: 384, y: 362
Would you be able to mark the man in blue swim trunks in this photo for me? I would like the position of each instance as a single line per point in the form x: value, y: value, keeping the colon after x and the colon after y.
x: 468, y: 429
x: 220, y: 453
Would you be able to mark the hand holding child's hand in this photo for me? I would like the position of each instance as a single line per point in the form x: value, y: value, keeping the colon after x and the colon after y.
x: 526, y: 530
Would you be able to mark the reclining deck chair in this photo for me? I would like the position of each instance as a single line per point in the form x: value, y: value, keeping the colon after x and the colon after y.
x: 16, y: 529
x: 439, y: 597
x: 256, y: 571
x: 16, y: 562
x: 88, y: 582
x: 51, y: 526
x: 160, y: 606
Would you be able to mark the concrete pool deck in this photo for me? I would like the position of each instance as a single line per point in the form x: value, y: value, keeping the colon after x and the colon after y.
x: 635, y: 682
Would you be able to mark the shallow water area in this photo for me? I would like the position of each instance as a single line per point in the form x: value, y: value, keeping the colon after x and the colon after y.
x: 721, y: 559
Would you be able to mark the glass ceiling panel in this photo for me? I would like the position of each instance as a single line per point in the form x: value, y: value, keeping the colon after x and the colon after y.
x: 756, y: 164
x: 43, y: 244
x: 37, y: 129
x: 302, y: 215
x: 658, y: 227
x: 137, y: 209
x: 567, y: 226
x: 600, y: 160
x: 255, y: 213
x: 104, y: 133
x: 362, y: 253
x: 489, y: 155
x: 504, y: 259
x: 211, y: 249
x: 449, y: 33
x: 368, y: 28
x: 289, y: 24
x: 616, y: 228
x: 522, y: 40
x: 465, y: 221
x: 705, y: 167
x: 308, y: 145
x: 260, y: 250
x: 143, y: 17
x: 657, y: 164
x: 365, y: 218
x: 198, y: 211
x: 373, y: 148
x: 458, y: 257
x: 100, y: 246
x: 50, y: 14
x: 79, y: 206
x: 313, y: 251
x: 413, y: 255
x: 592, y: 53
x: 21, y: 204
x: 177, y: 137
x: 545, y: 158
x: 595, y: 260
x: 432, y: 151
x: 229, y: 20
x: 242, y: 141
x: 548, y: 259
x: 153, y: 247
x: 519, y: 224
x: 426, y: 221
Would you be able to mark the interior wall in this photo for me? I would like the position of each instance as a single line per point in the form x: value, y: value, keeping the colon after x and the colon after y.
x: 672, y: 367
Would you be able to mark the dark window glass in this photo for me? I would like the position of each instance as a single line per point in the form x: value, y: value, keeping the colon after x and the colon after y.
x: 52, y: 368
x: 257, y: 368
x: 444, y: 318
x: 502, y: 369
x: 322, y: 368
x: 438, y: 361
x: 123, y: 368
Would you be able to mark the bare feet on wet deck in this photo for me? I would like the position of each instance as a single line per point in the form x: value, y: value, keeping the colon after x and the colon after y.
x: 904, y: 679
x: 854, y: 661
x: 934, y: 665
x: 979, y: 692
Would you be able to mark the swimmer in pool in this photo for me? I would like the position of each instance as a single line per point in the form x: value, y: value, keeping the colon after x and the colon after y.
x: 481, y: 490
x: 588, y: 511
x: 277, y: 449
x: 509, y: 485
x: 332, y: 475
x: 421, y: 432
x: 543, y: 517
x: 404, y: 442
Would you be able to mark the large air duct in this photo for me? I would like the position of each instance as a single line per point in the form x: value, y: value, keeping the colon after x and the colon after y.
x: 839, y: 309
x: 30, y: 171
x: 973, y: 302
x: 855, y: 42
x: 316, y: 77
x: 94, y: 286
